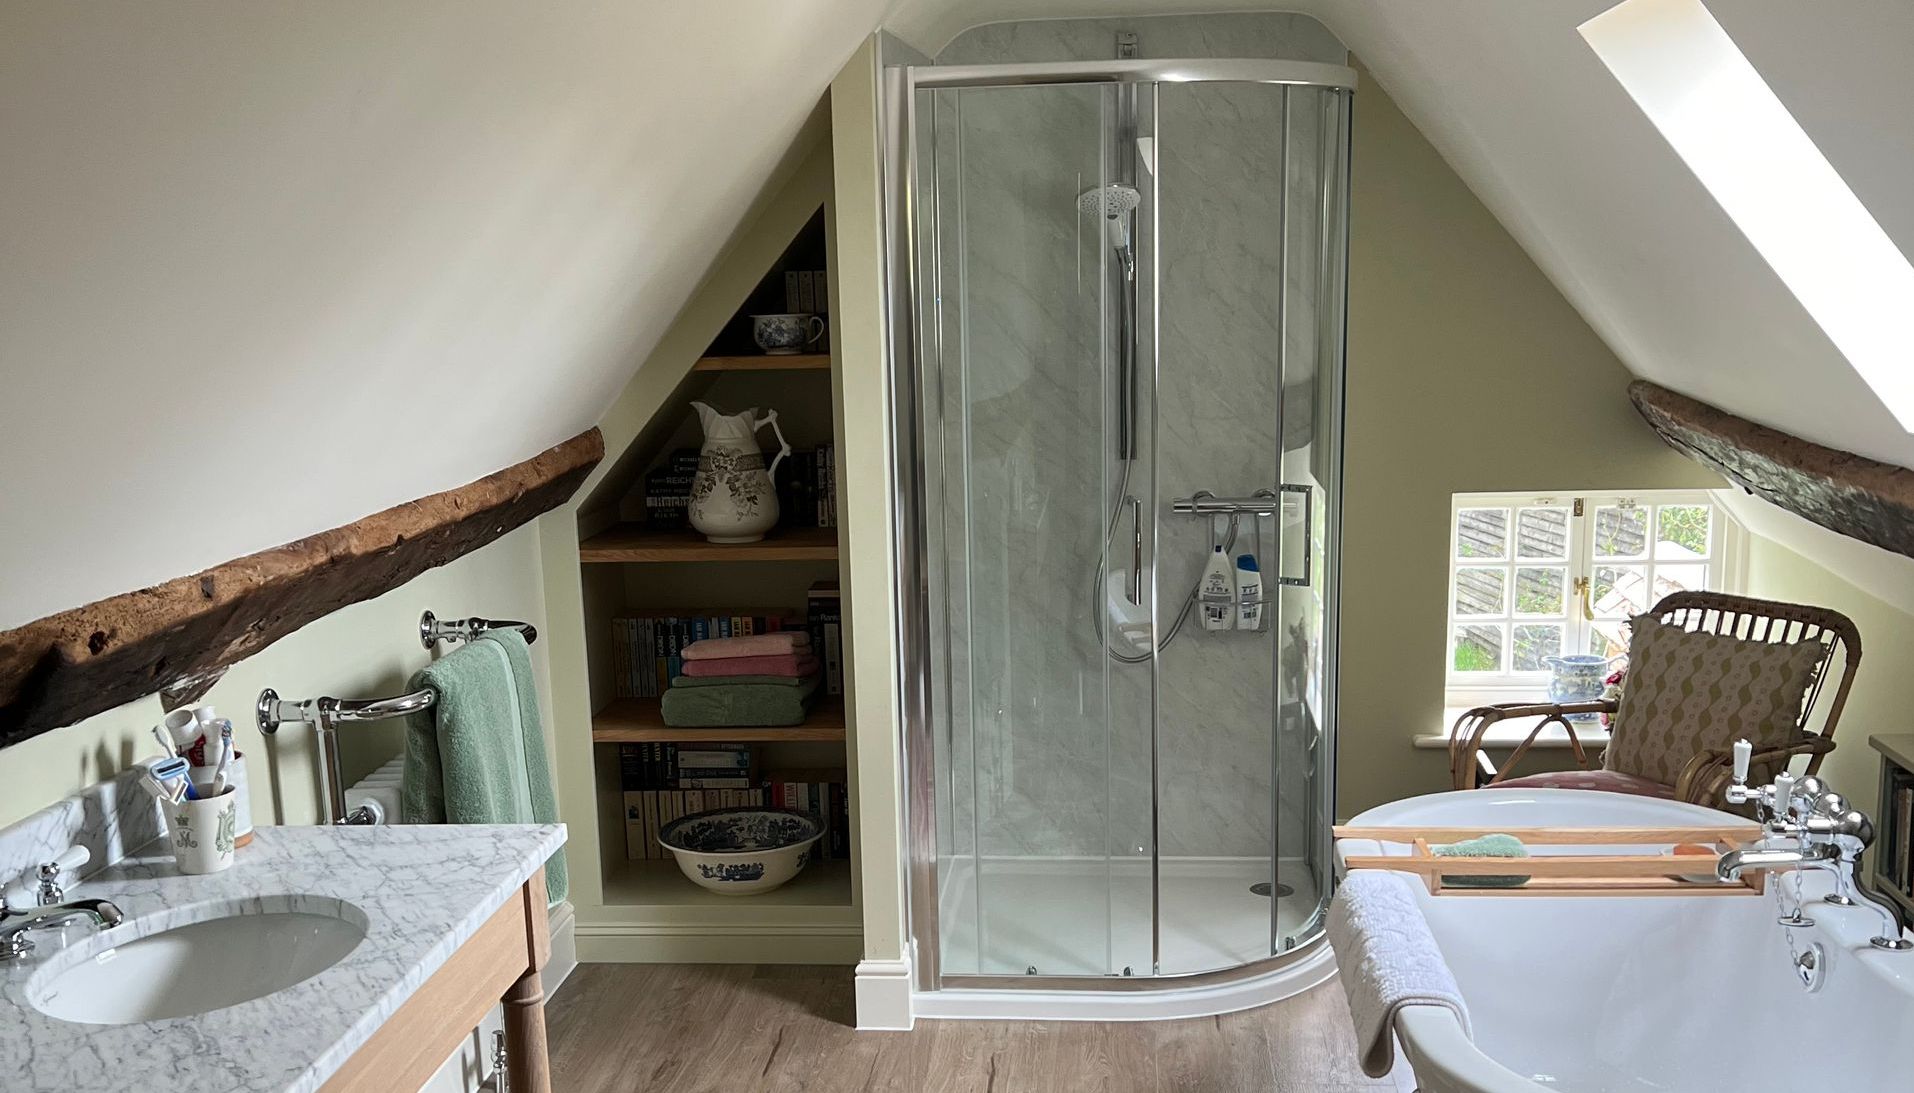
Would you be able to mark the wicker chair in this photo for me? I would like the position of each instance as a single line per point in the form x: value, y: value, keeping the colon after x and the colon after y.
x: 1703, y: 778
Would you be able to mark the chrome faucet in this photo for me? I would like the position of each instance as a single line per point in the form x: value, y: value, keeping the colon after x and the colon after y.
x: 14, y: 925
x: 45, y: 906
x: 1806, y: 825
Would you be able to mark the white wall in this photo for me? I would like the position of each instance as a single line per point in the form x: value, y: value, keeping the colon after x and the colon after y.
x: 367, y: 650
x: 273, y: 266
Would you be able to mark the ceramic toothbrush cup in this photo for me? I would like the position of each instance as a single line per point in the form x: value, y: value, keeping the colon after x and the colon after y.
x: 203, y: 832
x: 783, y: 335
x: 236, y: 778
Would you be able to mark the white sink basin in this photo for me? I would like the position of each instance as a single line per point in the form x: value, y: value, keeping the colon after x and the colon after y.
x: 210, y: 964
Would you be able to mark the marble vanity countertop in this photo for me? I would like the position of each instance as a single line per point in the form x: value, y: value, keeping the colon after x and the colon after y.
x: 424, y: 890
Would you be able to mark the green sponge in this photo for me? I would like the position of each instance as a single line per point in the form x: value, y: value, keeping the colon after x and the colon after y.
x: 1485, y: 846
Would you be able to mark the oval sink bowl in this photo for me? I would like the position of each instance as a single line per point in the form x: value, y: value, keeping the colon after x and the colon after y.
x: 230, y: 957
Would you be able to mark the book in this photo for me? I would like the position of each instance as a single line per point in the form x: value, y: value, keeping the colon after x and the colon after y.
x: 824, y: 618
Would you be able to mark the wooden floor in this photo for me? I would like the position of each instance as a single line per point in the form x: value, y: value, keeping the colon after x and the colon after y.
x: 710, y: 1028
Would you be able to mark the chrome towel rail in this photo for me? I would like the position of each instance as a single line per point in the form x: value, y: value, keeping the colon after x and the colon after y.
x: 432, y: 631
x: 324, y: 713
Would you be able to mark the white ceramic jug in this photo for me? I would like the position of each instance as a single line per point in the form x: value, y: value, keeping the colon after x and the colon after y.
x: 733, y: 499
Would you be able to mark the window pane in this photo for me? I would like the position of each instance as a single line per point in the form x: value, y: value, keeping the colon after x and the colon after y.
x: 1482, y: 533
x: 1541, y: 533
x: 1620, y: 590
x: 1540, y: 591
x: 1621, y: 532
x: 1478, y: 648
x: 1681, y: 531
x: 1678, y: 578
x: 1479, y: 591
x: 1532, y: 643
x: 1608, y: 637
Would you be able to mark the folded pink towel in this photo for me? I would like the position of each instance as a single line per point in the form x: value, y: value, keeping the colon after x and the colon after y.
x: 793, y: 665
x: 750, y: 645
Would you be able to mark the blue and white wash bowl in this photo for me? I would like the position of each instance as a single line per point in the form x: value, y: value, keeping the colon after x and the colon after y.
x: 741, y: 851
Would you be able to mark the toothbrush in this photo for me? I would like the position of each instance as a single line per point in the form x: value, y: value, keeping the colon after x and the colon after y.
x: 225, y: 757
x: 165, y: 740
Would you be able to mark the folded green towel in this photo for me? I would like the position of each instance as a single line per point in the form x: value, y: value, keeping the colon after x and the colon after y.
x: 738, y: 705
x: 1486, y: 846
x: 477, y: 755
x: 726, y: 681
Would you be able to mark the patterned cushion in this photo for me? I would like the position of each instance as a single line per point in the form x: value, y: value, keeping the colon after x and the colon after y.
x: 1613, y: 781
x: 1688, y: 692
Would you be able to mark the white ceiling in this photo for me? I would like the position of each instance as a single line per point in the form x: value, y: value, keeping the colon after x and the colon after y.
x: 268, y: 266
x: 271, y: 266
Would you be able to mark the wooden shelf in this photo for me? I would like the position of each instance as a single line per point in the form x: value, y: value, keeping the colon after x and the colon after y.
x: 639, y: 721
x: 636, y: 543
x: 798, y: 362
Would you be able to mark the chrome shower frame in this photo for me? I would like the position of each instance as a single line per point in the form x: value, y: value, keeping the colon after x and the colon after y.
x: 919, y: 612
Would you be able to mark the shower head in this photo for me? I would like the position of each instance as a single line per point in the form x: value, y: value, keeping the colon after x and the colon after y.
x: 1110, y: 201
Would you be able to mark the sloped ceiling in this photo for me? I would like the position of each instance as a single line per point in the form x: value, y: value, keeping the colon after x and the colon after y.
x: 267, y: 267
x: 1529, y: 117
x: 271, y: 266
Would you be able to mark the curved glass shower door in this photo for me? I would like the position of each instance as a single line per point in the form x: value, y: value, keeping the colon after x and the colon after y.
x: 1021, y: 295
x: 1128, y: 337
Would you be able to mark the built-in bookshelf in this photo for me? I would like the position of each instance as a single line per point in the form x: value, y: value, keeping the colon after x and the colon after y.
x: 637, y: 557
x: 1892, y: 871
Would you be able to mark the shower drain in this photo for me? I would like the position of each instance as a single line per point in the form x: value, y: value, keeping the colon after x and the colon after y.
x: 1261, y: 888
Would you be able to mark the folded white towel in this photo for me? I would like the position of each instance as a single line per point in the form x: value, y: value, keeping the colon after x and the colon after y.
x: 1387, y: 959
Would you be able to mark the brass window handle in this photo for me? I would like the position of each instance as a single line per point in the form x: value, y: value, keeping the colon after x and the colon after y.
x: 1581, y: 593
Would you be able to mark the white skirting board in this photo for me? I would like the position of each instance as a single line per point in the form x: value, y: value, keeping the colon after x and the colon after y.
x: 884, y: 994
x: 1312, y: 969
x: 564, y: 928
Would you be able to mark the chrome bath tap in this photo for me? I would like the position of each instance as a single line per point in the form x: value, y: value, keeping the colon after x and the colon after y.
x: 1806, y: 825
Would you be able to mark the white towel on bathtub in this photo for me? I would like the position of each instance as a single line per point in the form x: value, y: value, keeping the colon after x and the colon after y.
x: 1387, y: 959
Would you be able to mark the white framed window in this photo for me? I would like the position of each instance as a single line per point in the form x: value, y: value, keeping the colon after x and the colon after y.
x: 1537, y: 576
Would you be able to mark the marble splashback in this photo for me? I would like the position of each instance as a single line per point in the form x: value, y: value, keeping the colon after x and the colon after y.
x: 1049, y: 741
x: 112, y: 819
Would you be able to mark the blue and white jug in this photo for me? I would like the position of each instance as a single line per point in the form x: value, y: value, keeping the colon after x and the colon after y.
x: 1578, y: 677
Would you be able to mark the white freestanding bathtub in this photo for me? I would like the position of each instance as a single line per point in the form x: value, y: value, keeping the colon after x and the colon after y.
x: 1664, y: 993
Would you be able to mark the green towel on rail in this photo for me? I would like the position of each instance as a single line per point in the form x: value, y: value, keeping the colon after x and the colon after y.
x: 477, y: 755
x: 739, y: 705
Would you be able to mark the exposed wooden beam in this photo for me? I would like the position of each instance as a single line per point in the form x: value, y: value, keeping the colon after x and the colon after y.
x: 180, y: 635
x: 1852, y: 494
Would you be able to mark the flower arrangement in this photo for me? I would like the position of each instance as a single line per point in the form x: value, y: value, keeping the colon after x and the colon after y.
x: 1612, y: 692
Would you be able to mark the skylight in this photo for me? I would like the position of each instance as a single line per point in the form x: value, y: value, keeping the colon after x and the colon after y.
x: 1723, y: 120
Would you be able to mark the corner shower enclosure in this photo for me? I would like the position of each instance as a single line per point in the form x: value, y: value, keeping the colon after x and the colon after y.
x: 1117, y: 299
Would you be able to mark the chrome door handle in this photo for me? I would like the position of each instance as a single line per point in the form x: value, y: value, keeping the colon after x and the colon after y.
x: 1136, y: 551
x: 1309, y: 518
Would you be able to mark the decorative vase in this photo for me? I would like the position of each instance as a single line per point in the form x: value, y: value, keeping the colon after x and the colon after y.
x: 733, y: 497
x: 1578, y: 678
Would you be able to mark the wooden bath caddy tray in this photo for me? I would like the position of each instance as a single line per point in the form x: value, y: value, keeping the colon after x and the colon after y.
x: 1654, y: 874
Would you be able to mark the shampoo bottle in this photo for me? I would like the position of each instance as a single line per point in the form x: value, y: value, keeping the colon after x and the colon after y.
x: 1249, y: 593
x: 1217, y: 593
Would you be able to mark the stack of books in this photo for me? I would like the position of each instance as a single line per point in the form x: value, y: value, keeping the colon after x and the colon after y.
x: 662, y: 782
x: 822, y: 794
x: 824, y: 617
x: 1896, y: 866
x: 807, y: 491
x: 645, y: 649
x: 668, y: 490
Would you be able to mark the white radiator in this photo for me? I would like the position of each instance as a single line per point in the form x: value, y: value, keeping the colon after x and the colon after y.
x: 382, y: 787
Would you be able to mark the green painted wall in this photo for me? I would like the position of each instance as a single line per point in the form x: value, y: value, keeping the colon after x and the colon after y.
x: 1468, y: 372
